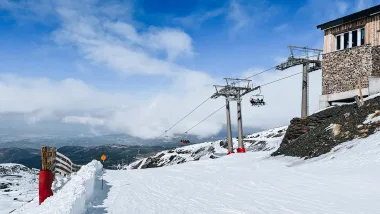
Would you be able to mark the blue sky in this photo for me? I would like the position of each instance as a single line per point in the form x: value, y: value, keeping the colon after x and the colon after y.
x: 148, y: 55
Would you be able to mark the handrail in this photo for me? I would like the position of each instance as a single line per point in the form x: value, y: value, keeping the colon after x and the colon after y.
x: 57, y: 162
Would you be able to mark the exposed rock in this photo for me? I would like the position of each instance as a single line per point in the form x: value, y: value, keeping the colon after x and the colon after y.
x: 308, y: 137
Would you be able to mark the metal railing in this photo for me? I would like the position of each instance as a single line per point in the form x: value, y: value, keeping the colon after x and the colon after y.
x: 57, y: 162
x: 65, y: 166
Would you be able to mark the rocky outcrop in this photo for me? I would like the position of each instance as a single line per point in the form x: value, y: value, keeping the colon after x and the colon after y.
x: 322, y: 131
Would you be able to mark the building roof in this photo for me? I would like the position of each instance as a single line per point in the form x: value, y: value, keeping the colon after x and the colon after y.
x: 351, y: 17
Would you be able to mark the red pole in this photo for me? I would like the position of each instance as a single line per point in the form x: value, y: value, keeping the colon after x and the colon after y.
x: 45, y: 183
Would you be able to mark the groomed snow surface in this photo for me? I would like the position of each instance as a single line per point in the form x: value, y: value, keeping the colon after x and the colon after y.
x: 345, y: 180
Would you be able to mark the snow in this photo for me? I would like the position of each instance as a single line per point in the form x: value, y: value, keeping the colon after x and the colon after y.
x: 342, y: 181
x: 18, y: 186
x: 265, y: 140
x: 372, y: 118
x: 335, y: 128
x: 73, y: 197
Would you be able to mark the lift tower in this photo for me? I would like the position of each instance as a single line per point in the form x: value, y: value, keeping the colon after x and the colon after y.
x: 233, y: 92
x: 311, y: 62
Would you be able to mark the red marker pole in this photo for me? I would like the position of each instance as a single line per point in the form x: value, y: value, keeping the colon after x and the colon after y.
x: 44, y: 186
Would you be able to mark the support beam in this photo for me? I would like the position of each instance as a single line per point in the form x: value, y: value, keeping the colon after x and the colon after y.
x: 229, y: 130
x: 304, y: 104
x: 305, y: 60
x: 241, y: 148
x: 234, y: 92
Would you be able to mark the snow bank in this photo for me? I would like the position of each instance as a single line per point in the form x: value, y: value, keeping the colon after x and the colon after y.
x: 72, y: 198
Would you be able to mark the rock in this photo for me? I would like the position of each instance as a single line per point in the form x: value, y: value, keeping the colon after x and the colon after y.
x: 308, y: 138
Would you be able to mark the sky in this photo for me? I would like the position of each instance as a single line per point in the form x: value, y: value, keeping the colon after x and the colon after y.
x: 137, y: 67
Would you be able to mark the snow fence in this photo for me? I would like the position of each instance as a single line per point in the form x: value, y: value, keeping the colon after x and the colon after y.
x: 73, y: 197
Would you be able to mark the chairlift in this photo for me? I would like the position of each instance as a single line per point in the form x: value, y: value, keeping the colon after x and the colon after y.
x: 257, y: 100
x: 185, y: 140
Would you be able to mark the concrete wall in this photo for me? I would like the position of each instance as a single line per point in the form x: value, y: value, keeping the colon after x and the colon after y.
x: 374, y: 85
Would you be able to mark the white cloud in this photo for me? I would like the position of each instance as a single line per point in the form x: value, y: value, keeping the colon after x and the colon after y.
x: 73, y: 101
x: 238, y: 15
x: 91, y: 121
x: 281, y: 27
x: 119, y: 44
x: 197, y: 19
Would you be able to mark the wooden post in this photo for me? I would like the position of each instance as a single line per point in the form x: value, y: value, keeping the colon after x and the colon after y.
x: 360, y: 90
x: 46, y: 177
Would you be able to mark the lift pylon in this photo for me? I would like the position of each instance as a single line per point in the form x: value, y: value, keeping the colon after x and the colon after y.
x: 311, y: 62
x: 232, y: 91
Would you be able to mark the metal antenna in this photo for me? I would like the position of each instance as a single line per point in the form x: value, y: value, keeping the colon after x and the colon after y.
x: 232, y: 92
x: 306, y: 61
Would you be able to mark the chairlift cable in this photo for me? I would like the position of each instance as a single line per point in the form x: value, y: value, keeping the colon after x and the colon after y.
x: 223, y: 105
x: 181, y: 119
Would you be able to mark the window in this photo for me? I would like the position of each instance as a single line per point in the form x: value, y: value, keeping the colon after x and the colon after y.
x: 338, y: 42
x: 362, y: 36
x: 350, y: 39
x: 346, y: 41
x: 354, y: 38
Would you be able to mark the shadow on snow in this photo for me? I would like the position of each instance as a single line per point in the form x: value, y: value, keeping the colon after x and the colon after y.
x: 95, y: 206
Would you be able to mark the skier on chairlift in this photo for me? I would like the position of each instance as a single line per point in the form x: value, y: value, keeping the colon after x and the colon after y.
x: 252, y: 101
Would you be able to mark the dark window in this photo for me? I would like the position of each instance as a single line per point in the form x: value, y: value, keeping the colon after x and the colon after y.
x: 354, y: 38
x: 338, y: 42
x: 346, y: 40
x: 362, y: 36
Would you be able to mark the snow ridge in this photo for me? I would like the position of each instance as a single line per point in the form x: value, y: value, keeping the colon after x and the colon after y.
x: 262, y: 141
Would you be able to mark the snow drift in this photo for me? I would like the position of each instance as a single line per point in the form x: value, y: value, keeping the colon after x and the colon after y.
x: 73, y: 197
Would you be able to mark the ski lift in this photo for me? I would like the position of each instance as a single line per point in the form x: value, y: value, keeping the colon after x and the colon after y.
x: 185, y: 140
x: 257, y: 100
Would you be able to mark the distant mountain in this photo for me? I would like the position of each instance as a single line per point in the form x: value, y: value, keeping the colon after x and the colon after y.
x: 36, y: 142
x: 116, y: 154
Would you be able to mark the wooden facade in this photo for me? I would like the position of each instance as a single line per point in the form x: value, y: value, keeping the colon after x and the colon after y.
x: 371, y: 26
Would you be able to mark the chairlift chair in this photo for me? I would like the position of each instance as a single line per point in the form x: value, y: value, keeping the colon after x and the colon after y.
x: 257, y: 100
x: 185, y: 140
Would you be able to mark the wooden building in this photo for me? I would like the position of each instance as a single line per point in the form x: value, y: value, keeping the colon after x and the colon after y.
x: 351, y: 52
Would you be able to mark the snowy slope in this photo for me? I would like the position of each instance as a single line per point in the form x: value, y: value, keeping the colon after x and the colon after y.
x: 18, y: 185
x: 342, y: 181
x: 261, y: 141
x: 73, y: 197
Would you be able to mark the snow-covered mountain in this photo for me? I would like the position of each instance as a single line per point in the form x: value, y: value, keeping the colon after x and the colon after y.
x: 262, y: 141
x: 18, y: 185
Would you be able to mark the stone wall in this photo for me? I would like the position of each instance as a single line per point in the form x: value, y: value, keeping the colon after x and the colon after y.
x: 341, y: 69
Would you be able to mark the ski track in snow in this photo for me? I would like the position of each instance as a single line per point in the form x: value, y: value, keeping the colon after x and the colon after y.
x: 344, y: 181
